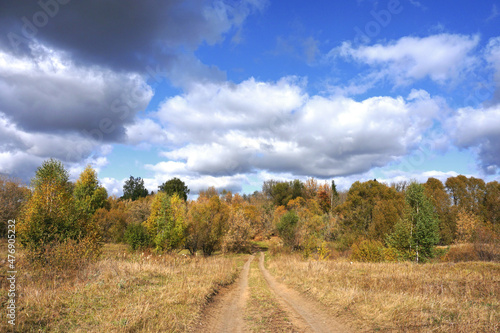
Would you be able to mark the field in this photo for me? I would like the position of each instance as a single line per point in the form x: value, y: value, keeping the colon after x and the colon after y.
x: 123, y: 292
x: 438, y: 297
x: 136, y: 292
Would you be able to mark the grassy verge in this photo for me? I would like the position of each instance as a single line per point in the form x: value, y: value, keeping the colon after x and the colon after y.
x: 263, y: 312
x: 123, y: 292
x: 444, y: 297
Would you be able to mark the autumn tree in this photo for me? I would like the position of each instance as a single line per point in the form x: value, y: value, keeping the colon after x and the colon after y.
x: 467, y: 193
x: 12, y: 196
x: 492, y: 204
x: 370, y: 210
x: 134, y: 189
x: 242, y: 224
x: 49, y: 215
x: 89, y: 194
x: 167, y: 222
x: 207, y: 223
x: 50, y: 226
x: 173, y: 186
x: 436, y: 192
x: 324, y: 197
x: 466, y: 226
x: 113, y: 220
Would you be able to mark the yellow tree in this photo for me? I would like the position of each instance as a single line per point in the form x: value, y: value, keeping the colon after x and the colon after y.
x: 466, y: 226
x: 89, y: 194
x: 207, y: 222
x: 49, y: 215
x: 167, y: 222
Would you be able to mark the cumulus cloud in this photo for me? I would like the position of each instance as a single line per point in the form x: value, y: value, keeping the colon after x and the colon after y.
x: 478, y: 129
x: 90, y: 100
x: 124, y: 34
x: 74, y: 76
x: 167, y: 170
x: 238, y: 129
x: 440, y: 57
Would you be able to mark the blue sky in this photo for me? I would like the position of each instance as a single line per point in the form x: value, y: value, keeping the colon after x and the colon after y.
x: 232, y: 93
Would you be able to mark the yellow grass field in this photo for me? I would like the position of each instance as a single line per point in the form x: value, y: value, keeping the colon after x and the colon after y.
x: 123, y: 292
x: 136, y: 292
x: 438, y: 297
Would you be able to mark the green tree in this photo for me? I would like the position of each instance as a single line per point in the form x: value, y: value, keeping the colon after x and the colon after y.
x: 137, y: 237
x: 422, y: 222
x: 134, y: 189
x: 287, y: 228
x: 335, y: 195
x: 282, y: 192
x: 175, y: 185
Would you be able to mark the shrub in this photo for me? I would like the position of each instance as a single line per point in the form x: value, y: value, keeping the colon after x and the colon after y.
x: 65, y: 257
x: 368, y: 251
x: 137, y: 236
x: 287, y: 228
x: 462, y: 252
x: 275, y: 246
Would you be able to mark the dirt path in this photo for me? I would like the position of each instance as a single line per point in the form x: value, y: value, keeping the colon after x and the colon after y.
x: 226, y: 314
x: 306, y: 314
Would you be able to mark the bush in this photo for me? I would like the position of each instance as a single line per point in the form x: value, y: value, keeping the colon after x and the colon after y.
x: 275, y: 246
x: 66, y: 257
x: 462, y: 252
x: 368, y: 251
x: 137, y: 237
x: 287, y: 228
x: 391, y: 254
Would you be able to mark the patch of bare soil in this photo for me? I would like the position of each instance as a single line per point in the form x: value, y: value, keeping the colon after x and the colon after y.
x: 307, y: 315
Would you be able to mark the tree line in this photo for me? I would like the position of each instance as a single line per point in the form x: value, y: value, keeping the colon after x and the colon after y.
x: 373, y: 220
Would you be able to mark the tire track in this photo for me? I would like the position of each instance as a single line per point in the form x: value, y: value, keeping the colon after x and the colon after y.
x: 308, y: 315
x: 227, y: 313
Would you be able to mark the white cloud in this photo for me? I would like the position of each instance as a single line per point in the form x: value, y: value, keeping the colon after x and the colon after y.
x: 478, y: 129
x: 221, y: 130
x: 167, y: 170
x: 440, y: 57
x: 52, y: 108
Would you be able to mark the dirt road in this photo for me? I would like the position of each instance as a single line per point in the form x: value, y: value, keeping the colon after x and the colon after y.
x: 308, y: 313
x: 227, y: 312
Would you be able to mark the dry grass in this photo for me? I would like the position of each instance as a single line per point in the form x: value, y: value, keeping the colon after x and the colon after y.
x: 442, y: 297
x: 263, y: 312
x: 122, y: 293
